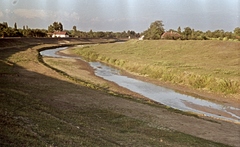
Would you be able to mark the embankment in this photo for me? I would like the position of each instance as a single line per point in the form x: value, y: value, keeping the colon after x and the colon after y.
x: 202, y: 67
x: 40, y: 107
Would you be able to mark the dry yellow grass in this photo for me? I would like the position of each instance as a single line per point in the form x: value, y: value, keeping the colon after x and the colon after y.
x: 208, y: 65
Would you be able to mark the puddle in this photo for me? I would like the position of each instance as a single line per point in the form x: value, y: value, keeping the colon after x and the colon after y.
x: 159, y: 94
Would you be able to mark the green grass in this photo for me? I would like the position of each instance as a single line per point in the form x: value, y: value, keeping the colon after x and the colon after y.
x: 206, y: 65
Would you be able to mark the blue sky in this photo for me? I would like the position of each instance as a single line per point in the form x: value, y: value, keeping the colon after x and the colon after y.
x: 120, y: 15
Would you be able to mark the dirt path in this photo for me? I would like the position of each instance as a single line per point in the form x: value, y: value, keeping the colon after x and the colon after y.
x: 207, y: 128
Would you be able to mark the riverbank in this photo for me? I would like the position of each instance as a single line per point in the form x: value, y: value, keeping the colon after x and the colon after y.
x: 209, y: 69
x: 184, y: 102
x: 41, y: 107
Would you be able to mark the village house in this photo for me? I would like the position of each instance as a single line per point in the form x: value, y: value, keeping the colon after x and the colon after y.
x: 60, y: 34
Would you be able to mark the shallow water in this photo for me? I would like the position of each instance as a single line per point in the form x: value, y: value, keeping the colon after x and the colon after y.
x: 159, y: 94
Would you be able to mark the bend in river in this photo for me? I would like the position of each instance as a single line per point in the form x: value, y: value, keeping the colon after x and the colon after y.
x: 157, y: 93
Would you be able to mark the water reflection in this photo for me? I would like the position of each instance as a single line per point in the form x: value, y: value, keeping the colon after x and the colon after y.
x: 159, y: 94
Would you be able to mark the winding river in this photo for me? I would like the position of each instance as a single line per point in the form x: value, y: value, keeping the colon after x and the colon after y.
x: 157, y: 93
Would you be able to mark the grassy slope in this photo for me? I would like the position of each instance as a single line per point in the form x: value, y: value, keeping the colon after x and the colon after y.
x: 34, y: 111
x: 206, y: 65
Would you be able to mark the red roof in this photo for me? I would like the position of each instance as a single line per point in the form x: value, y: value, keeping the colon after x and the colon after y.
x: 170, y: 34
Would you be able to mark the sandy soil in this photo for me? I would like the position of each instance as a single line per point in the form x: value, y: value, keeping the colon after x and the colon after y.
x: 204, y: 127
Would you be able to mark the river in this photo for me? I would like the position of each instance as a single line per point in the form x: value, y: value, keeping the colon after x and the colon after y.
x: 157, y: 93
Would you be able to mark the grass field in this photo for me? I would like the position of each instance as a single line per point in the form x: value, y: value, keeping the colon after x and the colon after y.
x: 40, y: 107
x: 205, y: 65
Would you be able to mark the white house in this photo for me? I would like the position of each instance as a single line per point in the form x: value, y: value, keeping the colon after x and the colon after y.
x: 61, y: 34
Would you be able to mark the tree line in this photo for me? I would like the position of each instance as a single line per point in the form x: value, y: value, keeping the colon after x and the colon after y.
x: 7, y: 31
x: 155, y: 31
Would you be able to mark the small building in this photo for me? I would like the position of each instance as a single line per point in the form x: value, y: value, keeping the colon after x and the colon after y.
x: 171, y: 35
x: 60, y: 34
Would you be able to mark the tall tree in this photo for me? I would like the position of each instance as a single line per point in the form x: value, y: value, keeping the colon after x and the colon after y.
x: 74, y: 28
x: 15, y: 26
x: 187, y: 33
x: 5, y: 24
x: 55, y: 26
x: 237, y: 31
x: 91, y: 34
x: 60, y: 26
x: 155, y: 30
x: 74, y: 31
x: 50, y: 29
x: 179, y: 30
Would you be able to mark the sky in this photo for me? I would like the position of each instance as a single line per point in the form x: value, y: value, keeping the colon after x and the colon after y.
x: 122, y: 15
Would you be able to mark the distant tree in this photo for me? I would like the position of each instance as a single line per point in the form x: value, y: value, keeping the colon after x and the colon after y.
x: 6, y: 31
x: 60, y: 26
x: 124, y: 34
x: 193, y: 35
x: 187, y: 33
x: 50, y: 29
x: 3, y: 28
x: 109, y: 35
x: 209, y: 34
x: 38, y: 33
x: 74, y: 31
x: 228, y: 35
x: 56, y: 26
x: 172, y: 30
x: 199, y: 35
x: 15, y: 26
x: 154, y: 31
x: 91, y: 34
x: 5, y: 24
x: 237, y: 31
x: 100, y: 34
x: 74, y: 28
x: 179, y: 30
x: 132, y: 34
x: 24, y: 28
x: 218, y: 34
x: 29, y: 33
